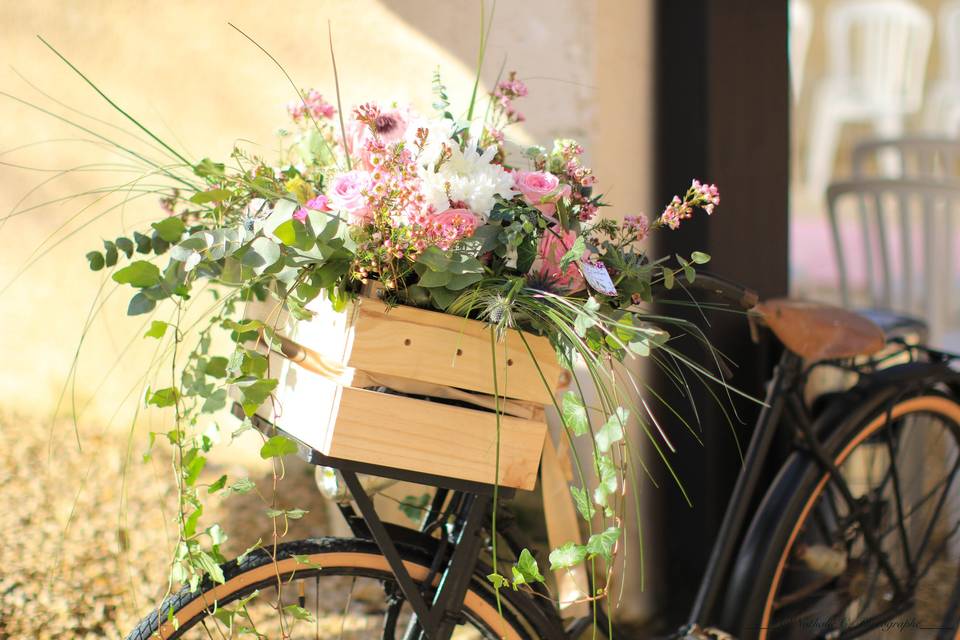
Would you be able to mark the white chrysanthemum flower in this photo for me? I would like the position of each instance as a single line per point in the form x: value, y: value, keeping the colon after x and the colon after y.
x: 467, y: 176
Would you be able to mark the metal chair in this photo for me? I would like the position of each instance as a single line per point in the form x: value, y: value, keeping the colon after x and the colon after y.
x: 877, y: 57
x: 901, y: 275
x: 924, y: 157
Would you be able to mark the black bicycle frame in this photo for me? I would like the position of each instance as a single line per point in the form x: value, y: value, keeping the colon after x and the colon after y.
x: 714, y: 580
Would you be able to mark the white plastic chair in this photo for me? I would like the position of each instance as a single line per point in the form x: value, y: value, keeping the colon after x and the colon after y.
x: 942, y: 105
x: 798, y: 44
x: 877, y: 57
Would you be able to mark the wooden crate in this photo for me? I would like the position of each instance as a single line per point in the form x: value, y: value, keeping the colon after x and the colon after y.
x: 325, y: 400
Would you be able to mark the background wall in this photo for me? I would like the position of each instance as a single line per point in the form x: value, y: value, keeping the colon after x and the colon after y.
x: 179, y: 68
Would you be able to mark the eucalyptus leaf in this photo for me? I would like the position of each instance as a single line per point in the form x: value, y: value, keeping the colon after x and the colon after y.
x: 95, y: 260
x: 140, y: 304
x: 262, y: 254
x: 140, y: 274
x: 170, y: 229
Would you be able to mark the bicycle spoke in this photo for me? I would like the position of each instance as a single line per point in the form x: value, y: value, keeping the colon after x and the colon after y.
x: 937, y: 509
x: 898, y: 498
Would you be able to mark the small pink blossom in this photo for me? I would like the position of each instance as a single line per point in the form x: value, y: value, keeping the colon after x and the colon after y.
x: 451, y: 226
x: 312, y: 104
x: 319, y: 203
x: 638, y: 226
x: 348, y: 192
x: 553, y: 245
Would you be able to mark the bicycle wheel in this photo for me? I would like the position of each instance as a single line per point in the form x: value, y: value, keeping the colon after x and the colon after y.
x: 344, y: 584
x: 806, y: 569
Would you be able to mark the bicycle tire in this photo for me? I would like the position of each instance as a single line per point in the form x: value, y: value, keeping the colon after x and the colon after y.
x: 785, y: 508
x: 302, y: 559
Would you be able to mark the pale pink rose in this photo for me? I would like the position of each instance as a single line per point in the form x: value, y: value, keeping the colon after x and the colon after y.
x: 553, y: 245
x: 541, y: 189
x: 347, y: 193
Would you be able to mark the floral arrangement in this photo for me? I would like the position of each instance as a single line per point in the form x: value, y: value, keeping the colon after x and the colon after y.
x: 445, y: 214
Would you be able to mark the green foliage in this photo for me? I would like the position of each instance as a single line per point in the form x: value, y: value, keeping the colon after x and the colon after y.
x: 601, y: 544
x: 584, y: 506
x: 612, y: 430
x: 575, y: 414
x: 413, y: 506
x: 277, y: 447
x: 140, y: 274
x: 567, y: 556
x: 525, y: 571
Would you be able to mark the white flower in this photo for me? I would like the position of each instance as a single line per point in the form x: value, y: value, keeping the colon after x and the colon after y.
x: 438, y: 130
x: 467, y: 176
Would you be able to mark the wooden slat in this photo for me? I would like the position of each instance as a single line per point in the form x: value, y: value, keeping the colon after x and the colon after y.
x: 449, y: 350
x: 430, y: 437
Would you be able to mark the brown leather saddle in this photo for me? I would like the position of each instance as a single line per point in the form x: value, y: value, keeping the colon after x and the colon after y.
x: 821, y: 332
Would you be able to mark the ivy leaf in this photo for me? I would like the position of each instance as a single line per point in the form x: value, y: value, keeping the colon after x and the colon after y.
x: 584, y: 506
x: 412, y: 506
x: 575, y: 253
x: 612, y: 430
x: 207, y: 168
x: 601, y: 544
x: 647, y: 339
x: 219, y: 484
x: 574, y: 413
x: 586, y: 316
x: 498, y: 581
x: 277, y: 447
x: 255, y: 392
x: 216, y: 367
x: 566, y: 556
x: 210, y: 566
x: 157, y: 329
x: 526, y: 571
x: 170, y: 229
x: 242, y: 486
x: 140, y: 274
x: 166, y: 397
x: 215, y: 401
x: 298, y: 612
x: 608, y: 481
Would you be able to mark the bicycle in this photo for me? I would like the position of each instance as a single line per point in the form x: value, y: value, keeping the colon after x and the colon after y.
x: 846, y: 542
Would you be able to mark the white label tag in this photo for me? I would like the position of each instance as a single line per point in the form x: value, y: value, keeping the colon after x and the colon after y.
x: 597, y: 277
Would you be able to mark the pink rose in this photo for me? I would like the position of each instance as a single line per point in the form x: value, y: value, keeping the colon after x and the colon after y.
x: 348, y: 193
x: 553, y: 245
x: 541, y: 189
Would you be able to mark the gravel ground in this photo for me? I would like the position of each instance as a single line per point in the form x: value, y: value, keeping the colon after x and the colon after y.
x: 73, y: 563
